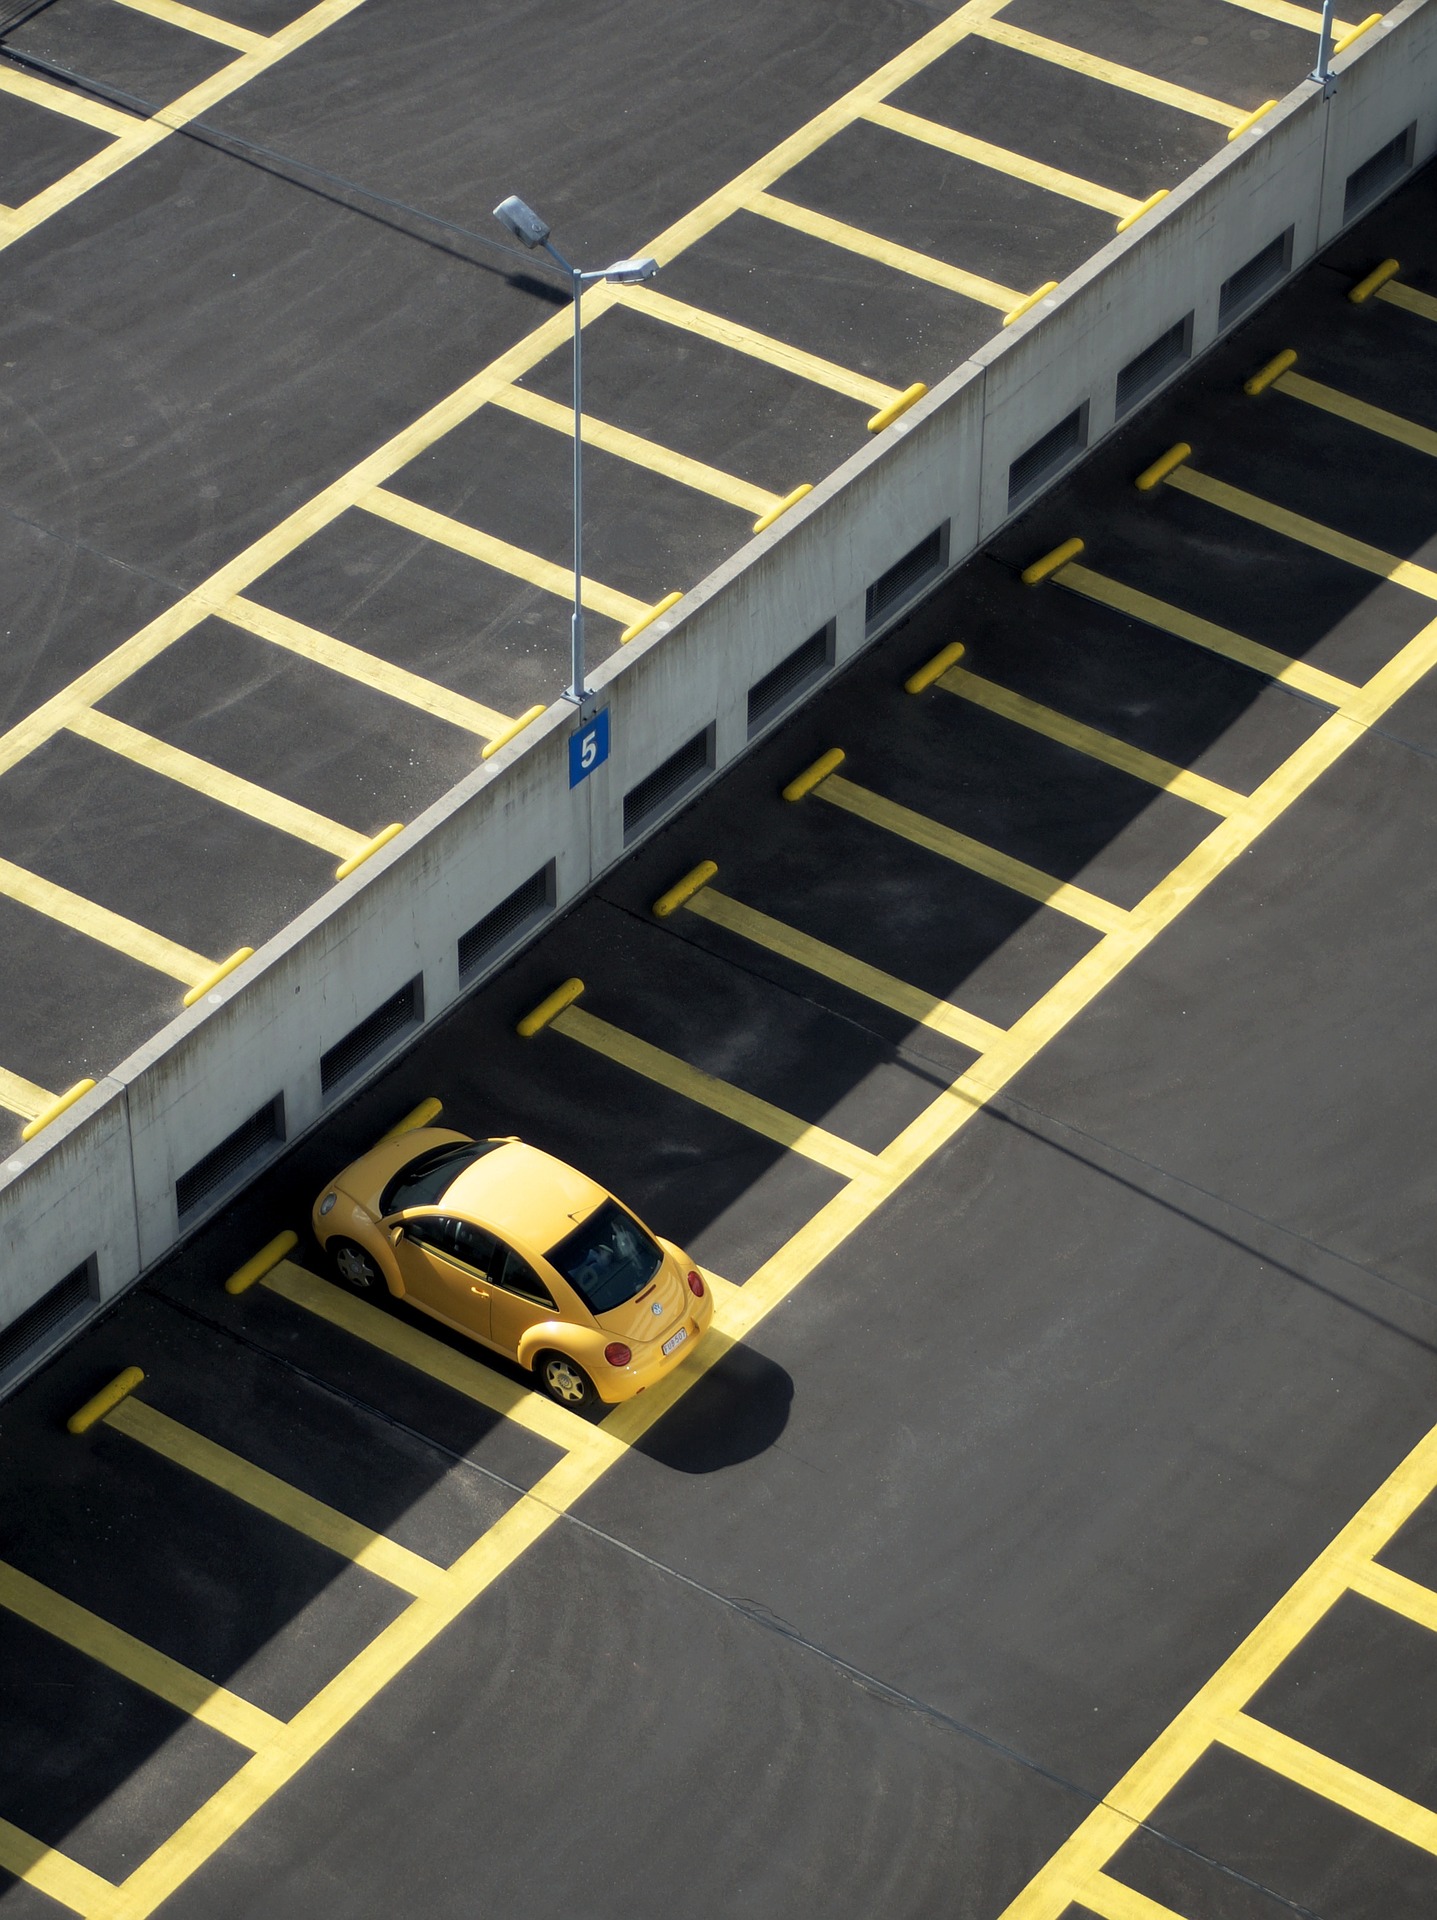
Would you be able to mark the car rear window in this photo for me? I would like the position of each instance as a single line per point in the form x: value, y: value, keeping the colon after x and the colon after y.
x: 608, y: 1259
x: 428, y: 1177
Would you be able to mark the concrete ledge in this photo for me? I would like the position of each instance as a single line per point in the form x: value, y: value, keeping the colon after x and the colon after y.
x: 100, y: 1184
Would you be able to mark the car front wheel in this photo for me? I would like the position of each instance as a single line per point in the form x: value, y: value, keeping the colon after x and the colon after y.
x: 565, y: 1380
x: 354, y: 1268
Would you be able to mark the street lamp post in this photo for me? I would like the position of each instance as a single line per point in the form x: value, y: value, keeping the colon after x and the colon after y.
x: 1322, y: 71
x: 527, y: 227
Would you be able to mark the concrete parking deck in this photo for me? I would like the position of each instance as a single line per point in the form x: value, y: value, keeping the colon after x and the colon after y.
x: 1046, y: 1530
x: 285, y: 504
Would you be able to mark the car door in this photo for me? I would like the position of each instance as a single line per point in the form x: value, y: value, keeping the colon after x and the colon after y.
x: 518, y: 1300
x: 445, y: 1265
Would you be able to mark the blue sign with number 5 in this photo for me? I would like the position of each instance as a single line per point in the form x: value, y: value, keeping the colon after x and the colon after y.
x: 589, y: 747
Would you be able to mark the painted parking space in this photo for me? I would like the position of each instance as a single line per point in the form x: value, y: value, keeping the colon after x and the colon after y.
x: 804, y: 303
x: 1063, y: 1326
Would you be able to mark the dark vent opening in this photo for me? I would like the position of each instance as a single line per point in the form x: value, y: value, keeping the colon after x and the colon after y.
x: 225, y: 1162
x: 1045, y: 456
x: 903, y: 579
x: 1152, y: 366
x: 794, y: 671
x: 1381, y: 171
x: 64, y: 1300
x: 372, y: 1035
x: 680, y: 770
x: 1264, y: 270
x: 498, y: 928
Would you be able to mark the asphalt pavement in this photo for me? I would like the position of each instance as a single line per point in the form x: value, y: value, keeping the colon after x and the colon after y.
x: 246, y: 248
x: 1046, y: 1529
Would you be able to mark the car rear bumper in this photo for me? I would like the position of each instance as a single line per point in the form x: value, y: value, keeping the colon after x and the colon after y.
x: 622, y: 1383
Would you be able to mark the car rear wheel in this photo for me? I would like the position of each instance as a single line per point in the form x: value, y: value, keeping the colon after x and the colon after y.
x: 355, y: 1269
x: 565, y: 1380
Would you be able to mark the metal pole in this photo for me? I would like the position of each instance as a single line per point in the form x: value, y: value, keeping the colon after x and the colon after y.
x: 576, y: 690
x: 1324, y: 44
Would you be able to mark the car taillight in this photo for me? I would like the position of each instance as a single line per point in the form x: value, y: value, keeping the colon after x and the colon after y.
x: 696, y: 1286
x: 617, y: 1354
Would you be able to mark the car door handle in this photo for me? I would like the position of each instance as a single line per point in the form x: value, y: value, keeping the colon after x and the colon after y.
x: 483, y: 1292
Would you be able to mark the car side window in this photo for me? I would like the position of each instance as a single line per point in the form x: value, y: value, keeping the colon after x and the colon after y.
x: 432, y: 1231
x: 517, y: 1276
x: 476, y: 1248
x: 457, y: 1240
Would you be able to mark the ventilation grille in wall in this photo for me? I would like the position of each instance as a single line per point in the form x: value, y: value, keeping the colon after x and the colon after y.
x: 681, y: 770
x: 400, y: 1011
x: 1046, y: 456
x: 776, y: 689
x: 513, y: 916
x: 1250, y: 282
x: 1153, y: 365
x: 1385, y: 168
x: 227, y: 1161
x: 906, y: 578
x: 50, y: 1312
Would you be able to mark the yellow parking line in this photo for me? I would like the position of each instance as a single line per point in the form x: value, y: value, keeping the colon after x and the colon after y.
x: 1002, y: 160
x: 1111, y: 1900
x: 57, y: 1875
x: 1110, y: 73
x: 1396, y: 295
x: 1089, y: 1849
x: 18, y: 1095
x: 1303, y: 1765
x: 1296, y: 526
x: 1204, y: 633
x: 146, y: 1666
x: 1308, y: 18
x: 526, y: 1408
x: 377, y: 1554
x: 1190, y: 1735
x: 1098, y: 746
x: 135, y: 137
x: 1061, y: 895
x: 719, y: 1096
x: 367, y: 668
x: 202, y: 776
x: 922, y: 266
x: 111, y: 929
x: 73, y: 106
x: 174, y: 14
x: 499, y: 554
x: 723, y: 911
x: 1397, y: 1593
x: 758, y: 346
x: 639, y: 451
x: 1376, y: 419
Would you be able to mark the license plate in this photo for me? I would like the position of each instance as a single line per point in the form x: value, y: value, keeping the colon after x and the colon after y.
x: 676, y: 1339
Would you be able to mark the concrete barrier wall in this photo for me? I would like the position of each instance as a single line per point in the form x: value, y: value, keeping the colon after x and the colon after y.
x: 98, y: 1185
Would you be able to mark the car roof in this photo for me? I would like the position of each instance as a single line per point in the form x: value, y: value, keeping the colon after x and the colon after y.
x: 525, y: 1194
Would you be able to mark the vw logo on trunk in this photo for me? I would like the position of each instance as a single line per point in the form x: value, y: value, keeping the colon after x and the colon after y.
x: 657, y: 1307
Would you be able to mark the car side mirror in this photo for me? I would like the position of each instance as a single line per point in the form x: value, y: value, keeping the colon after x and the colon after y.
x: 394, y: 1227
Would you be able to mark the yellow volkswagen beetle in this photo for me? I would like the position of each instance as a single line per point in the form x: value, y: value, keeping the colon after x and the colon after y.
x: 521, y: 1252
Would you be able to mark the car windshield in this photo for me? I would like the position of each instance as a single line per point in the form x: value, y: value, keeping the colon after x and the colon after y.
x: 608, y: 1259
x: 426, y: 1180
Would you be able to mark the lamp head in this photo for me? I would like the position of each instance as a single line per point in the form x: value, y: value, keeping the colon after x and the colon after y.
x: 629, y: 271
x: 522, y: 221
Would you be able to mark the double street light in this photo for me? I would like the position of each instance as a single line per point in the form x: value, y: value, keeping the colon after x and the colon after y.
x: 528, y: 228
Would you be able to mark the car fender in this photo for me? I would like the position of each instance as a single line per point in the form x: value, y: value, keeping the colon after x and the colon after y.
x: 584, y: 1344
x: 349, y: 1220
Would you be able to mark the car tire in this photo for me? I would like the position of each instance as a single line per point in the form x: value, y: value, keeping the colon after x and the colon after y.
x: 355, y: 1270
x: 565, y: 1381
